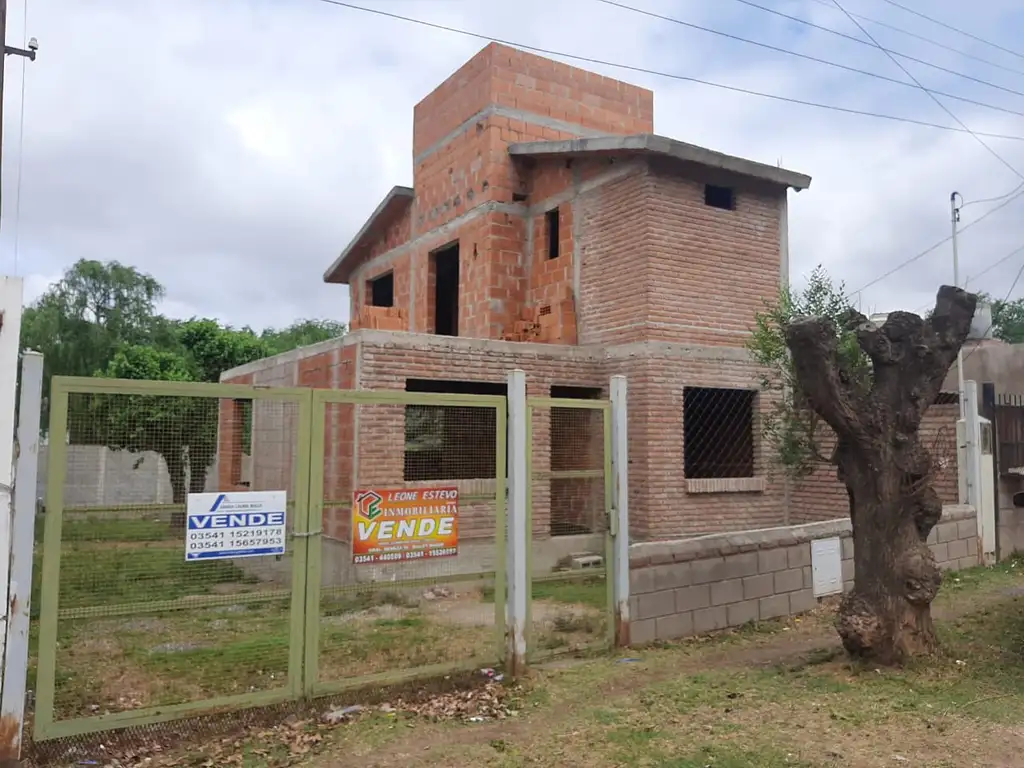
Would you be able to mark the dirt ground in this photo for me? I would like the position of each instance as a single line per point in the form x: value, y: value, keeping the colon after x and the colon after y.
x: 770, y: 695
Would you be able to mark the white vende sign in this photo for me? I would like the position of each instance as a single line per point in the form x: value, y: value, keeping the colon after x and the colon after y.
x: 233, y: 525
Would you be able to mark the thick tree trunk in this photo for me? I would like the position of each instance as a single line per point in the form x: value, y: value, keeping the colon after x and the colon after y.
x: 887, y: 615
x: 875, y: 412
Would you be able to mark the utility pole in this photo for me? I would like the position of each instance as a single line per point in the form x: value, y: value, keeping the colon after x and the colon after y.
x: 954, y: 215
x: 29, y: 53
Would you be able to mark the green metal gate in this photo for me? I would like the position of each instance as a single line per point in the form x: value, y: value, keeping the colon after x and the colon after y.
x: 569, y: 508
x: 131, y: 633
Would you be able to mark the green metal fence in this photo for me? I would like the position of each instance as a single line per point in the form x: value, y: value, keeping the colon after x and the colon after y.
x: 569, y: 504
x: 152, y: 607
x: 420, y: 606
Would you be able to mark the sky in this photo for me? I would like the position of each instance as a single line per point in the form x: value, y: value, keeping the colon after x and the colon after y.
x: 231, y: 149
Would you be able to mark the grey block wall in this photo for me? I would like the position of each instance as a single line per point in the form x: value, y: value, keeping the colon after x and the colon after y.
x: 96, y: 476
x: 692, y: 586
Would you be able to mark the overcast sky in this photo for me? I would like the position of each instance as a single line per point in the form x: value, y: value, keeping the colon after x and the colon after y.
x: 231, y: 148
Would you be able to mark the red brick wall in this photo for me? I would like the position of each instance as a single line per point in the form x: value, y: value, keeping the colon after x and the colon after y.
x: 472, y: 167
x: 613, y: 248
x: 657, y: 482
x: 710, y: 269
x: 381, y: 428
x: 822, y: 497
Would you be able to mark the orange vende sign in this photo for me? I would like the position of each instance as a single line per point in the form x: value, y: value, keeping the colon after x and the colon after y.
x: 393, y: 525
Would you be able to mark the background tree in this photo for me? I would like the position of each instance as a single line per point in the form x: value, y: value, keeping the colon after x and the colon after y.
x: 1007, y: 319
x: 100, y: 319
x: 793, y: 429
x: 875, y: 412
x: 301, y: 334
x: 183, y: 430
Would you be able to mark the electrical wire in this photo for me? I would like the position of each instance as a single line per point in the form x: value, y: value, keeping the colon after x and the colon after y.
x: 923, y: 38
x: 1006, y: 298
x: 951, y: 28
x: 669, y: 75
x: 932, y: 96
x: 994, y: 264
x: 806, y: 57
x: 939, y: 244
x: 852, y: 39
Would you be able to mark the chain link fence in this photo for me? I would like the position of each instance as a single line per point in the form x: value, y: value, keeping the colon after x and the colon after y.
x: 410, y: 561
x: 151, y: 608
x: 569, y: 498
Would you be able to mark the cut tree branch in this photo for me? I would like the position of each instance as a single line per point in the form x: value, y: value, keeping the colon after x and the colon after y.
x: 814, y: 343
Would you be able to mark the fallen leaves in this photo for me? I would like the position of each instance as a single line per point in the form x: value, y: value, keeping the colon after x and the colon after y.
x: 292, y: 741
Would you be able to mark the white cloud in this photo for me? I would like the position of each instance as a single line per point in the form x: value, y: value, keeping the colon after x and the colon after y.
x: 232, y: 149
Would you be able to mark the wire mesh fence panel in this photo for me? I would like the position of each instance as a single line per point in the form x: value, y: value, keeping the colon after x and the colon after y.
x: 569, y: 497
x: 168, y: 570
x: 412, y: 490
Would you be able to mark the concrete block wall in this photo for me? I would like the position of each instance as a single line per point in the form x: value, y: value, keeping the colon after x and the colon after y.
x: 688, y: 587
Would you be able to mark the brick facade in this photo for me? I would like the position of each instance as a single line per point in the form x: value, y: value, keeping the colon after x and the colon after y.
x: 665, y: 252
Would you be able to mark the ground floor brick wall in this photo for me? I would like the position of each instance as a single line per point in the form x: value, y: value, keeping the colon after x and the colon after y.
x: 366, y: 444
x: 687, y: 587
x: 820, y: 496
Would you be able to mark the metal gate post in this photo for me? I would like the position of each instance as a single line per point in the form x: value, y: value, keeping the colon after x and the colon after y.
x: 620, y: 509
x: 518, y: 534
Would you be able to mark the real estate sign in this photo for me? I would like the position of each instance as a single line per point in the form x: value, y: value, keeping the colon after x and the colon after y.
x: 232, y: 525
x: 404, y: 524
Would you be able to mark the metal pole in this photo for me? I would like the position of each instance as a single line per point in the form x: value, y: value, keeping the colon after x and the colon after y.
x: 10, y: 331
x: 620, y: 469
x: 517, y: 583
x: 954, y: 215
x: 15, y: 674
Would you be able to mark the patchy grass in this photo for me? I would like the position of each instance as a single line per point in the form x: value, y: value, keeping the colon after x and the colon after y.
x: 770, y: 695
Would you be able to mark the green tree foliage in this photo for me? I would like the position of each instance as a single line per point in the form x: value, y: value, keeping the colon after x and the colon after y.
x: 792, y: 430
x: 301, y: 334
x: 100, y: 319
x: 1007, y: 319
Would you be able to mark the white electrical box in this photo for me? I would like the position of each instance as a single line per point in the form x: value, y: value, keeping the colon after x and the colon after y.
x: 827, y: 566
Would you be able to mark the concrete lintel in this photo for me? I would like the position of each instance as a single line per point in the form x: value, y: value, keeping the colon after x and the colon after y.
x: 291, y: 356
x: 498, y: 110
x: 674, y: 350
x: 403, y: 195
x: 406, y: 340
x: 652, y: 144
x: 449, y: 227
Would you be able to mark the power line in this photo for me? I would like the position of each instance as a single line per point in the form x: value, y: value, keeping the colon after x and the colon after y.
x: 953, y: 29
x: 806, y: 57
x: 939, y: 244
x: 994, y: 264
x: 931, y: 95
x: 859, y: 41
x: 669, y: 75
x: 923, y: 38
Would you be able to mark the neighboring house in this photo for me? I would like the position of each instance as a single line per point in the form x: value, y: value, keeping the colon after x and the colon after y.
x: 549, y: 229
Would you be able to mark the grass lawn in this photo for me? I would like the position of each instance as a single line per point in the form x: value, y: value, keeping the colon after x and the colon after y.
x: 127, y: 655
x: 771, y: 695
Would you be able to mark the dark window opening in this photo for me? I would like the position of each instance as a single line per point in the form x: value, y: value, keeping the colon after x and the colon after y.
x: 382, y: 291
x: 451, y: 442
x: 719, y: 197
x: 577, y: 463
x: 446, y: 291
x: 240, y: 454
x: 551, y: 219
x: 575, y: 393
x: 718, y: 432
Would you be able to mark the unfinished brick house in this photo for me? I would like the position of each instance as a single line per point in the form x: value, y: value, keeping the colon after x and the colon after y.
x: 549, y: 229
